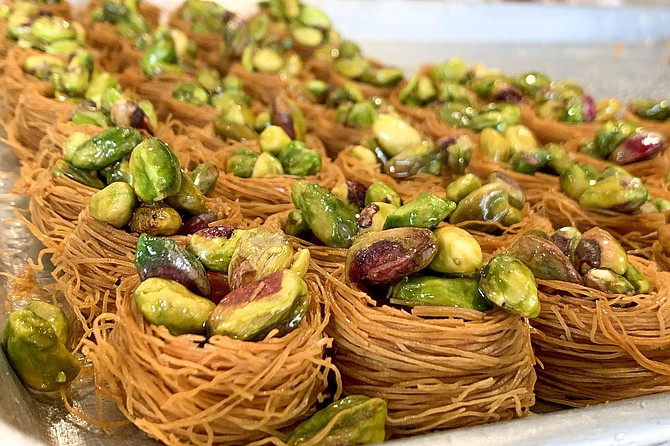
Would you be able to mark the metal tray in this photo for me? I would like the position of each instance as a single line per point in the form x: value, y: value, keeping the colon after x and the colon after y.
x: 622, y: 52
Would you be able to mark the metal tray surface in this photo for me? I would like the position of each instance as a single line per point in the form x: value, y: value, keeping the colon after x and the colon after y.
x: 627, y: 56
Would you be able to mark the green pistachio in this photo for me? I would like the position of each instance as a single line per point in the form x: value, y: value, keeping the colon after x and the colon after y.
x: 155, y: 170
x: 114, y: 204
x: 508, y: 283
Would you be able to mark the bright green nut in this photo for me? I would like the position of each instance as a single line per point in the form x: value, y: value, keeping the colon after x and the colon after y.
x: 610, y: 135
x: 225, y: 99
x: 276, y: 301
x: 155, y: 170
x: 508, y: 283
x: 424, y: 158
x: 364, y: 155
x: 262, y: 121
x: 159, y: 57
x: 559, y: 158
x: 458, y: 253
x: 295, y: 223
x: 457, y: 292
x: 299, y: 160
x: 661, y: 204
x: 419, y: 91
x: 86, y: 113
x: 382, y: 77
x: 347, y: 93
x: 266, y: 60
x: 85, y: 177
x: 362, y: 114
x: 355, y: 419
x: 520, y: 138
x: 352, y: 68
x: 214, y: 246
x: 266, y: 164
x: 205, y: 176
x: 307, y: 36
x: 259, y: 252
x: 566, y: 238
x: 456, y: 114
x: 456, y: 93
x: 239, y: 114
x: 425, y: 211
x: 461, y: 187
x: 210, y: 80
x: 188, y: 198
x: 498, y: 116
x: 394, y: 134
x: 74, y: 79
x: 530, y: 161
x: 608, y: 281
x: 494, y: 146
x: 111, y: 96
x: 616, y: 193
x: 655, y: 110
x: 36, y: 353
x: 300, y: 264
x: 149, y: 112
x: 54, y: 315
x: 225, y: 129
x: 575, y: 180
x: 459, y: 154
x: 171, y: 304
x: 532, y: 82
x: 49, y: 29
x: 373, y: 216
x: 331, y: 221
x: 98, y: 85
x: 551, y: 109
x: 453, y: 69
x: 241, y: 163
x: 491, y: 202
x: 114, y: 204
x: 287, y: 115
x: 190, y: 92
x: 119, y: 171
x: 106, y: 148
x: 273, y: 138
x: 155, y: 219
x: 382, y: 192
x: 637, y: 279
x: 314, y: 17
x: 72, y: 143
x: 42, y: 66
x: 597, y: 248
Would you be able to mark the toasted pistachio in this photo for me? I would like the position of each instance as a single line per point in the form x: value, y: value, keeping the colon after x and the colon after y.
x: 214, y: 246
x: 300, y: 264
x: 617, y: 193
x: 114, y: 204
x: 74, y: 79
x: 508, y: 283
x: 50, y: 28
x: 36, y: 352
x: 607, y: 281
x: 169, y: 303
x: 155, y: 219
x: 457, y: 292
x: 597, y: 248
x: 394, y: 134
x: 241, y: 163
x: 52, y: 314
x: 63, y: 168
x: 425, y: 211
x: 210, y: 80
x: 355, y: 419
x: 331, y: 221
x: 163, y: 257
x: 275, y: 301
x: 462, y: 186
x: 258, y: 253
x: 105, y: 148
x: 385, y: 257
x: 543, y: 258
x: 204, y: 177
x: 99, y: 83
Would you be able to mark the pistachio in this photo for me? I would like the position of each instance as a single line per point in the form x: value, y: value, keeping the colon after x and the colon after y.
x: 190, y: 92
x: 394, y: 134
x: 163, y: 257
x: 607, y: 281
x: 258, y: 252
x: 105, y: 148
x: 297, y: 159
x: 351, y: 192
x: 491, y: 202
x: 382, y: 192
x: 155, y: 170
x: 114, y: 204
x: 214, y: 246
x: 277, y: 301
x: 576, y: 179
x: 188, y: 198
x: 458, y: 253
x: 494, y: 146
x: 530, y: 161
x: 459, y: 153
x: 543, y: 258
x: 155, y: 219
x: 651, y: 109
x: 439, y: 291
x: 597, y: 248
x: 168, y: 303
x: 65, y: 169
x: 385, y: 257
x: 566, y: 239
x: 462, y: 186
x: 424, y: 158
x: 508, y: 283
x: 53, y: 315
x: 373, y: 216
x: 204, y: 177
x: 610, y: 136
x: 273, y: 138
x: 617, y: 193
x: 355, y: 419
x: 285, y: 114
x: 635, y: 278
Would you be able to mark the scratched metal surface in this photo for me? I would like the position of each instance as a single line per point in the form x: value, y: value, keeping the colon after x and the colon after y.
x: 606, y: 67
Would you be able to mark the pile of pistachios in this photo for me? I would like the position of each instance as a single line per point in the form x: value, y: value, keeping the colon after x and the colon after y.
x: 594, y: 259
x: 170, y: 52
x: 142, y: 185
x: 234, y: 282
x: 624, y: 142
x: 353, y: 109
x: 223, y: 93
